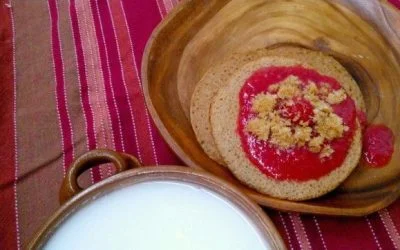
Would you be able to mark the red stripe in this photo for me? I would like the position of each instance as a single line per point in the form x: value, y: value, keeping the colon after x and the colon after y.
x: 394, y: 211
x: 94, y: 72
x: 315, y: 236
x: 133, y: 85
x: 8, y: 229
x: 278, y: 220
x: 346, y: 233
x: 117, y: 83
x: 170, y: 4
x: 141, y: 22
x: 380, y: 231
x: 58, y: 64
x: 115, y: 116
x: 161, y: 7
x: 299, y: 230
x: 84, y: 89
x: 390, y: 227
x: 285, y: 218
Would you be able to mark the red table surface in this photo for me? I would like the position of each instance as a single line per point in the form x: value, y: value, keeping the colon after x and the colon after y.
x: 70, y: 82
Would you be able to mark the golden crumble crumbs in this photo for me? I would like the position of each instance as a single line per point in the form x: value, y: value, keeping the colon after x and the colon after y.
x: 326, y: 151
x: 282, y: 137
x: 336, y: 97
x: 302, y: 135
x: 315, y: 144
x: 325, y: 89
x: 329, y: 125
x: 277, y: 120
x: 289, y: 88
x: 286, y: 133
x: 311, y: 89
x: 259, y: 127
x: 264, y: 103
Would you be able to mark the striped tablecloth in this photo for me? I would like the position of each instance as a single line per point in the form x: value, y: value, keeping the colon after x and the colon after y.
x: 70, y: 82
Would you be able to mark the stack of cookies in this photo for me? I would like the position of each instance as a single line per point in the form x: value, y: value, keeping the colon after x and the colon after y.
x: 283, y: 120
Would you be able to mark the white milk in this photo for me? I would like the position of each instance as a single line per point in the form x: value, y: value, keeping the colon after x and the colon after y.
x: 159, y: 215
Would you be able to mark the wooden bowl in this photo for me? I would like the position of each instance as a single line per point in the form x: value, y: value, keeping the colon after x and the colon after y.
x: 199, y: 34
x: 129, y: 174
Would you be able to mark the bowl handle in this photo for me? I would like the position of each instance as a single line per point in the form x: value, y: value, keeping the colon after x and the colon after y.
x: 121, y: 161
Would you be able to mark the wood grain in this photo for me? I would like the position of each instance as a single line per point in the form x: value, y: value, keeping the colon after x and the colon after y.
x: 200, y: 34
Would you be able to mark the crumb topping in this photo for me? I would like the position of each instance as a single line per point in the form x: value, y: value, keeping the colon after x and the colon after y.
x: 287, y: 132
x: 302, y: 135
x: 260, y: 127
x: 336, y: 97
x: 326, y: 151
x: 289, y: 88
x: 264, y: 103
x: 316, y: 144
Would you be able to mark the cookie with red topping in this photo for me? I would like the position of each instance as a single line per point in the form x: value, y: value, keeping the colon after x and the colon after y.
x: 287, y: 126
x: 219, y: 75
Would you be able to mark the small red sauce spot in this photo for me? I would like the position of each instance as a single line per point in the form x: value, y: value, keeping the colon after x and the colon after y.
x: 378, y: 145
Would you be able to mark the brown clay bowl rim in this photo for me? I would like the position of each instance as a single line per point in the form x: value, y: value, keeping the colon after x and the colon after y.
x: 165, y: 173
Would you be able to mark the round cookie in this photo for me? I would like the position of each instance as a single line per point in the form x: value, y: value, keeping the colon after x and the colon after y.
x: 218, y: 76
x: 202, y: 97
x: 224, y: 117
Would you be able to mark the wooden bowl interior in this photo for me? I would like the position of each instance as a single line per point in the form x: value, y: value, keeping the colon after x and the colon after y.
x: 199, y: 34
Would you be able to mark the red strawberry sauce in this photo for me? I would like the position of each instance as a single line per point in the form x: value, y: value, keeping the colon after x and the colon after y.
x: 296, y: 163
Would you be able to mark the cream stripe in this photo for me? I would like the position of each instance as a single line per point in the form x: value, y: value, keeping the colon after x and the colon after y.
x: 126, y: 89
x: 373, y: 233
x: 87, y: 68
x: 91, y: 76
x: 146, y: 113
x: 159, y: 8
x: 92, y: 69
x: 301, y: 233
x: 168, y: 5
x: 15, y: 131
x: 110, y: 80
x: 80, y: 87
x: 390, y: 227
x: 104, y: 112
x: 286, y: 230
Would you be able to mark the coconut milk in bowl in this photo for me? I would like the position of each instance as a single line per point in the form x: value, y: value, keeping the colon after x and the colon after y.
x: 158, y: 208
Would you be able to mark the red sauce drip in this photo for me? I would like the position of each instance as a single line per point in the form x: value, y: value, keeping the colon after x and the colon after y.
x: 378, y: 145
x: 296, y: 163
